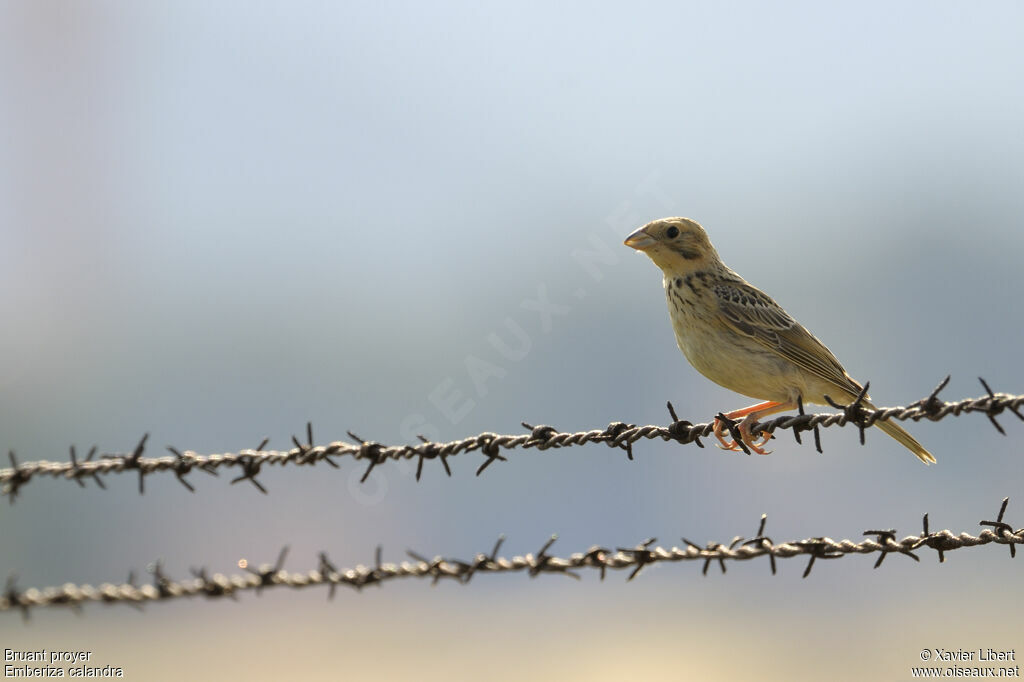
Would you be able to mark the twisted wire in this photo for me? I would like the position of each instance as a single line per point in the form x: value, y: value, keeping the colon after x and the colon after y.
x: 616, y: 435
x: 601, y: 559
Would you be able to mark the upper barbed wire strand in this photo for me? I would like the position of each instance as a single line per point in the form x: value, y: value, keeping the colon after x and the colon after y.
x: 616, y: 434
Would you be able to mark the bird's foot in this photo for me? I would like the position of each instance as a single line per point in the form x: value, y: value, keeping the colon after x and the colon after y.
x: 724, y: 443
x: 753, y: 443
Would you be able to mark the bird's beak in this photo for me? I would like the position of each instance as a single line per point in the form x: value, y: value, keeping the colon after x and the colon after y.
x: 641, y: 240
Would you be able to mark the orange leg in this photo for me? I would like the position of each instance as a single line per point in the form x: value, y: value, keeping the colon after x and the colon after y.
x: 750, y: 415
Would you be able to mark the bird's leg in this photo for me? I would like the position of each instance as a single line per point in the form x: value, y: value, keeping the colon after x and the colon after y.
x: 751, y: 418
x: 750, y: 415
x: 729, y: 444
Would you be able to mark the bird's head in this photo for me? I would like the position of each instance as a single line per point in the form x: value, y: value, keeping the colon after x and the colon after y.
x: 676, y: 245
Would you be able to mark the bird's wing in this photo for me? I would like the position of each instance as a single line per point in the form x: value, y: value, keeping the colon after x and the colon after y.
x: 751, y: 312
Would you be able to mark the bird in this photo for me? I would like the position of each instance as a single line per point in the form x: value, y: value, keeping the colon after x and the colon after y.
x: 739, y: 337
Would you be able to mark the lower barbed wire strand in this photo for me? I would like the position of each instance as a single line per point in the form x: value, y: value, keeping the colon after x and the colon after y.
x: 268, y: 576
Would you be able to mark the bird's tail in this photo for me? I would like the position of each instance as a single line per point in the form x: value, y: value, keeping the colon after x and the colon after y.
x: 897, y: 432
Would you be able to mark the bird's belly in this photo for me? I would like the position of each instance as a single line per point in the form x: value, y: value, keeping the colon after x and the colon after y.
x: 737, y: 363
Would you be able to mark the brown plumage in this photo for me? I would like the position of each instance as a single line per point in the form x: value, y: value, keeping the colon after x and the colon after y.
x: 737, y: 336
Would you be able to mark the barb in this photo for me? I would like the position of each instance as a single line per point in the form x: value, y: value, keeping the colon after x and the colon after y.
x: 601, y: 559
x: 616, y: 435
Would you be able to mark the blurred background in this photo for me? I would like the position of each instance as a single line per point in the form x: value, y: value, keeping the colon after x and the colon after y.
x: 221, y: 220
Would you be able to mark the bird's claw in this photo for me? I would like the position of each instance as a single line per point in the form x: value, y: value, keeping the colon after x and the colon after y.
x: 756, y: 447
x: 752, y: 442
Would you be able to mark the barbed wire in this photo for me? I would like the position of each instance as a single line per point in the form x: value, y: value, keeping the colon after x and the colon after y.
x: 601, y: 559
x: 616, y: 435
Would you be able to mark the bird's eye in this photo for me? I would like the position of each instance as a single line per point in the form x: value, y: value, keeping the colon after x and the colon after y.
x: 672, y: 232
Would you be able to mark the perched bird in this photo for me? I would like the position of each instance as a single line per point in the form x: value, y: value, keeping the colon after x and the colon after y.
x: 737, y: 336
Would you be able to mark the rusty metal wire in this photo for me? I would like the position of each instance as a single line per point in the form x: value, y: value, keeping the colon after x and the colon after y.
x: 616, y: 435
x: 601, y: 559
